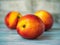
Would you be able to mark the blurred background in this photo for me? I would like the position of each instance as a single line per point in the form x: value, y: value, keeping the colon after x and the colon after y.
x: 30, y: 6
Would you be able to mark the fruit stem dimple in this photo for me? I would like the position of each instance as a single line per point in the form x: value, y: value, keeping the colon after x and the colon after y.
x: 18, y: 17
x: 24, y: 26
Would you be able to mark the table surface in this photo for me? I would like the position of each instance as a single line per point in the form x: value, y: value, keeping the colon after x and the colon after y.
x: 10, y: 37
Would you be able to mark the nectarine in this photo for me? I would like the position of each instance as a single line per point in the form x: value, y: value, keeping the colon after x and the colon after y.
x: 11, y: 19
x: 46, y: 17
x: 30, y: 26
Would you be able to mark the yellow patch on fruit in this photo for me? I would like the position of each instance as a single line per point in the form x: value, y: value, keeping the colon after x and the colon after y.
x: 13, y: 17
x: 46, y: 17
x: 23, y: 24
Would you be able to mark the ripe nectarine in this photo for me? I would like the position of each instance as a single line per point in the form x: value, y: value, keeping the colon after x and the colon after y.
x: 30, y: 26
x: 11, y: 19
x: 46, y: 17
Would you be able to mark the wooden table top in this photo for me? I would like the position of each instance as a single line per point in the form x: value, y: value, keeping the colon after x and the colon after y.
x: 10, y: 37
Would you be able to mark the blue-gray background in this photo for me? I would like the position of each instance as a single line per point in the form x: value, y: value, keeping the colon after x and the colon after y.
x: 8, y: 37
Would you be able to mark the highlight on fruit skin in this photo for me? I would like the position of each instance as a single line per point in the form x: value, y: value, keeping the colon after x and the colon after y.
x: 30, y: 26
x: 46, y: 17
x: 11, y: 19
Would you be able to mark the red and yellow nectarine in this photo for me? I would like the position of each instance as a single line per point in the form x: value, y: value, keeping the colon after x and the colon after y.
x: 30, y: 26
x: 46, y: 17
x: 11, y: 19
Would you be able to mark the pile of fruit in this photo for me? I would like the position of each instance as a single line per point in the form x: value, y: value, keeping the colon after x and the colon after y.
x: 29, y: 26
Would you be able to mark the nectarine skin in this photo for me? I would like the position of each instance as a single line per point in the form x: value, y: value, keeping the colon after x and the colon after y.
x: 46, y: 17
x: 30, y: 26
x: 11, y: 19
